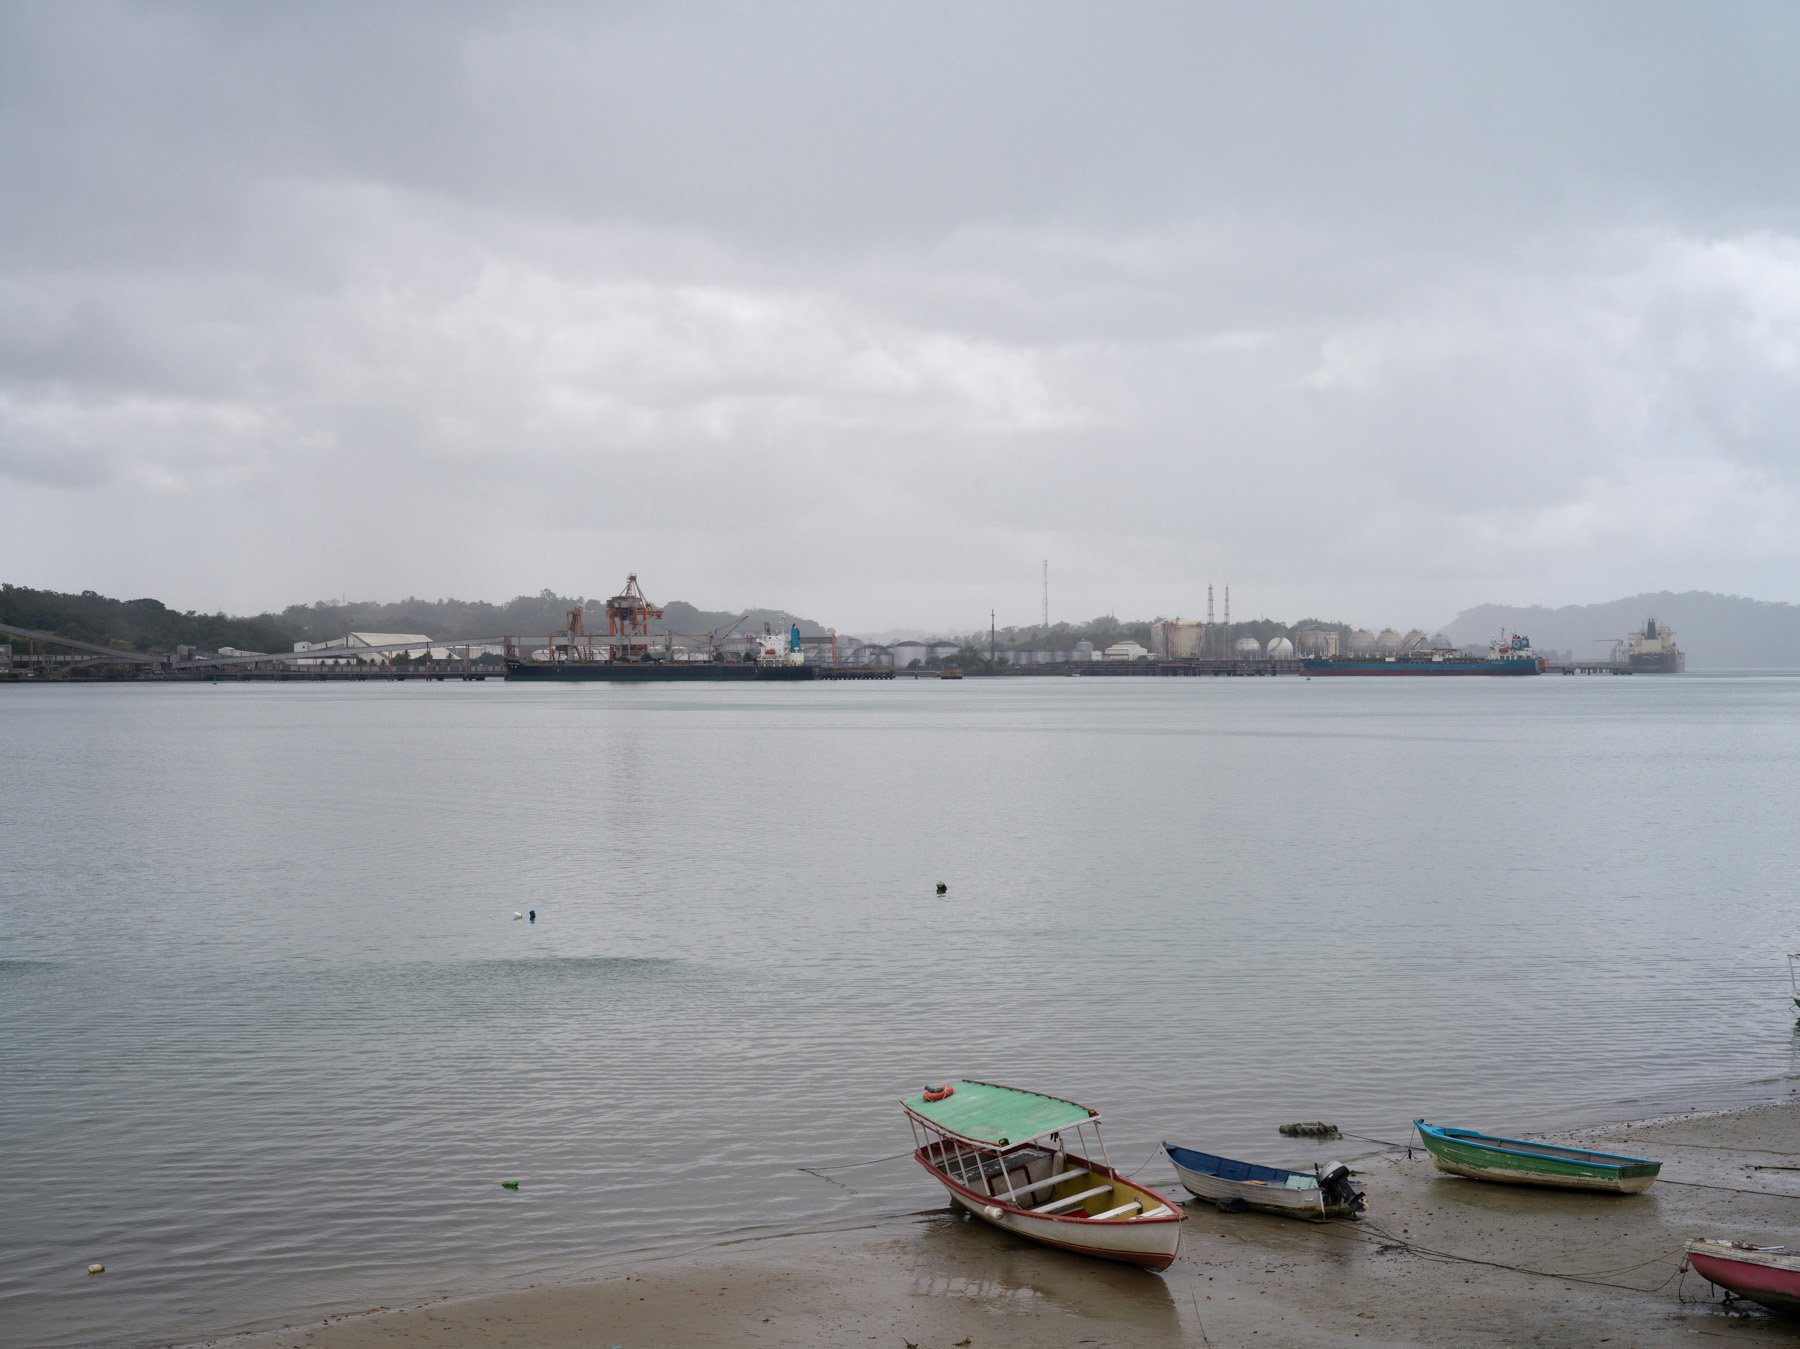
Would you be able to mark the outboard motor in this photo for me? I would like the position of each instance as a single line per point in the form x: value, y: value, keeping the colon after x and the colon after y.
x: 1336, y: 1187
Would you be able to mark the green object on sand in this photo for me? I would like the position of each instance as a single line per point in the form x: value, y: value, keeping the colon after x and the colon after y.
x: 1516, y: 1161
x: 509, y: 1184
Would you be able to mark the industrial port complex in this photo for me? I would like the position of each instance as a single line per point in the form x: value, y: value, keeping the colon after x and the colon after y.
x: 622, y: 643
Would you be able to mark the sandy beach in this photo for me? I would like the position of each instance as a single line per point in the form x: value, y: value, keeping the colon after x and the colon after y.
x: 1437, y: 1261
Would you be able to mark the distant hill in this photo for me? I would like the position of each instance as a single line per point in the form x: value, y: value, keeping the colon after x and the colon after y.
x: 1717, y: 632
x: 132, y: 625
x: 684, y: 619
x: 148, y: 625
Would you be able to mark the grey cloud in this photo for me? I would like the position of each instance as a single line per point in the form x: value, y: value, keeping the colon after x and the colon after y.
x: 1377, y: 310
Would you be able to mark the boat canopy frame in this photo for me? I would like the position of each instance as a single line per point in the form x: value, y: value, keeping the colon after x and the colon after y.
x: 977, y: 1163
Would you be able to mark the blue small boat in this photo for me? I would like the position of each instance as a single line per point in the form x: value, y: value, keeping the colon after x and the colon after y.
x: 1319, y: 1194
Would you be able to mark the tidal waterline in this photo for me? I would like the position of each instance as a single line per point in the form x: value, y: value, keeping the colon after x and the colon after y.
x: 272, y: 1038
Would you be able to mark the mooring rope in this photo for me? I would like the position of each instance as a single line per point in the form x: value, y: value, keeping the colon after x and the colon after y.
x: 849, y: 1166
x: 1728, y: 1189
x: 1428, y: 1253
x: 1385, y: 1142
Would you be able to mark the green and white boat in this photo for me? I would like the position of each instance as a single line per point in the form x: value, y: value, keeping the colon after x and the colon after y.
x: 1036, y: 1166
x: 1518, y: 1161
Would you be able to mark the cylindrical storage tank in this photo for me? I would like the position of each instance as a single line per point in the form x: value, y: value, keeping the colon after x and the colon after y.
x: 1310, y: 641
x: 1281, y: 649
x: 1362, y: 642
x: 1248, y: 648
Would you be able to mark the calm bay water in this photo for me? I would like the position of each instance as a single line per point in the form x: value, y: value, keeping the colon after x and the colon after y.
x: 270, y: 1037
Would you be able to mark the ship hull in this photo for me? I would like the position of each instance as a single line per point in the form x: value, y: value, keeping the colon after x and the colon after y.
x: 657, y: 672
x: 1329, y: 665
x: 1658, y: 662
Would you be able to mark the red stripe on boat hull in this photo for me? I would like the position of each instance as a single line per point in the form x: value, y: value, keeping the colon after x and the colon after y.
x: 1778, y: 1288
x: 1041, y: 1224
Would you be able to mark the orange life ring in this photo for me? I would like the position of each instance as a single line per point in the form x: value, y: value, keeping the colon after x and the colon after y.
x: 939, y: 1093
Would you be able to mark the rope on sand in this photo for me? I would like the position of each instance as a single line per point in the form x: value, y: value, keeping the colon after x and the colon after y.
x: 1728, y: 1189
x: 1425, y: 1252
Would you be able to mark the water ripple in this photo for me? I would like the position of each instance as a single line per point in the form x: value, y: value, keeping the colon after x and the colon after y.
x: 273, y: 1038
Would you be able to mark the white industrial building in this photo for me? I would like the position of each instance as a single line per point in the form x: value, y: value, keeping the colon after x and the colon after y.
x: 1125, y: 651
x: 355, y: 646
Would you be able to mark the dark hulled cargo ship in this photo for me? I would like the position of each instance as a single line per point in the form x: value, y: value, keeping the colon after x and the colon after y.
x: 657, y: 671
x: 1652, y: 650
x: 1506, y: 656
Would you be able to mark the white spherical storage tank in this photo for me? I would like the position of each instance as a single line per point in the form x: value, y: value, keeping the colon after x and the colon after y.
x: 1248, y: 648
x: 1280, y: 649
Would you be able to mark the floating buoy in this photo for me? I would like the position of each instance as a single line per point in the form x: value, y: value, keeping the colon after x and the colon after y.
x: 943, y: 889
x: 96, y: 1269
x: 1315, y: 1129
x: 533, y: 915
x: 517, y: 915
x: 509, y: 1184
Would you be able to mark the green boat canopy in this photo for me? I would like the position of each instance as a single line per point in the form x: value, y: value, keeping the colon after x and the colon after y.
x: 1000, y: 1116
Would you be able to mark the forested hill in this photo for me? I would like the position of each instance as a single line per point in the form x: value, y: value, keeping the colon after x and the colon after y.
x: 149, y: 625
x: 1717, y: 632
x: 134, y: 625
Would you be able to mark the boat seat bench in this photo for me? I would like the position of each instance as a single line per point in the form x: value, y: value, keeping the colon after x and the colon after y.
x: 1057, y: 1205
x: 1118, y: 1212
x: 1048, y: 1182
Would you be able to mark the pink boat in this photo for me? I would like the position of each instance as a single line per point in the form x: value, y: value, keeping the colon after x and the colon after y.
x: 1766, y: 1274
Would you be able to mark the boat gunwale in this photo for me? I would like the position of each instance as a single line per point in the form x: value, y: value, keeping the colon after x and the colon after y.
x: 1170, y: 1149
x: 1717, y: 1248
x: 1613, y: 1162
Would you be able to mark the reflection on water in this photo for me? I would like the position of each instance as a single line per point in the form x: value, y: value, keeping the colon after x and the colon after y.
x: 273, y: 1039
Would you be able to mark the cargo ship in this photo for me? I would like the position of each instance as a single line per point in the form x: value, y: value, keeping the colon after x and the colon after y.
x: 1653, y: 651
x: 626, y: 653
x: 1506, y: 656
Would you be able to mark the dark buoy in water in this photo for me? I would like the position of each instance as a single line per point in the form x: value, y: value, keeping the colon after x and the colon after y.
x: 943, y: 889
x: 1313, y: 1129
x: 531, y: 914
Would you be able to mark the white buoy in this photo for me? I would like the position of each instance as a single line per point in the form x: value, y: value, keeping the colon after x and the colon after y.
x: 517, y: 915
x: 96, y: 1269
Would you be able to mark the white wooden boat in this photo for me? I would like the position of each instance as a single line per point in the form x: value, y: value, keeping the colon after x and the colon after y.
x: 1320, y: 1194
x: 1036, y: 1166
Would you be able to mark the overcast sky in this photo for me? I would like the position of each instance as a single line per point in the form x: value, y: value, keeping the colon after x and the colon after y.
x: 1371, y: 311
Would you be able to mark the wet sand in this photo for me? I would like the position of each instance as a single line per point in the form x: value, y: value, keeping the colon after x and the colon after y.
x: 1437, y: 1261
